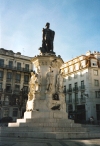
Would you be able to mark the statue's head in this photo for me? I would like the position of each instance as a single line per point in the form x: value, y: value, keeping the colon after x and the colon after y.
x: 47, y: 25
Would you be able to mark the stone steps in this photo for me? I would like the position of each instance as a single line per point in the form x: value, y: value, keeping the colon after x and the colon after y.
x: 49, y: 128
x: 92, y: 128
x: 51, y: 135
x: 44, y: 129
x: 45, y: 124
x: 41, y: 120
x: 83, y: 131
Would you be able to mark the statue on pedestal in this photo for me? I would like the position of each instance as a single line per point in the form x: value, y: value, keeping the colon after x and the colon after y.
x: 30, y: 102
x: 49, y: 79
x: 38, y: 81
x: 47, y: 39
x: 32, y: 85
x: 59, y: 83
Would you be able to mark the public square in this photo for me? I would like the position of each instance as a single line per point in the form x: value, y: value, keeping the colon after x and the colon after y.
x: 48, y: 142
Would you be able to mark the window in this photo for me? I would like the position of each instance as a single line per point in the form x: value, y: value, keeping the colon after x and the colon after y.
x: 81, y: 74
x: 26, y: 79
x: 15, y: 112
x: 76, y: 97
x: 98, y: 111
x: 83, y: 63
x: 96, y: 72
x: 94, y: 63
x: 17, y: 87
x: 18, y: 65
x: 97, y: 94
x: 27, y: 67
x: 9, y: 76
x: 66, y: 70
x: 76, y: 66
x: 1, y: 62
x: 82, y: 84
x: 96, y: 82
x: 69, y: 78
x: 6, y: 112
x: 70, y: 98
x: 70, y: 86
x: 0, y: 86
x: 76, y: 85
x: 18, y: 77
x: 25, y: 89
x: 1, y: 75
x: 70, y: 68
x: 10, y: 64
x: 82, y: 95
x: 8, y: 88
x: 75, y: 76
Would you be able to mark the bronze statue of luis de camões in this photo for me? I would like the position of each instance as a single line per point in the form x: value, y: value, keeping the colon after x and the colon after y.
x: 47, y: 40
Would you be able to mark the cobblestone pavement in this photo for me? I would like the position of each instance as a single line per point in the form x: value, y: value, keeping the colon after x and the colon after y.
x: 47, y: 142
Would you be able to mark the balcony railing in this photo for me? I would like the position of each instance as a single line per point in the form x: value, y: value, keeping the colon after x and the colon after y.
x: 26, y: 82
x: 75, y: 101
x: 69, y: 101
x: 82, y: 87
x: 9, y: 66
x: 25, y: 92
x: 17, y: 81
x: 69, y: 90
x: 16, y: 92
x: 4, y: 102
x: 25, y: 69
x: 8, y: 80
x: 14, y: 68
x: 8, y: 90
x: 1, y: 65
x: 75, y: 89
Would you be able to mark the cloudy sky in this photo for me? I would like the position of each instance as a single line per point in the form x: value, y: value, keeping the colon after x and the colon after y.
x: 76, y: 24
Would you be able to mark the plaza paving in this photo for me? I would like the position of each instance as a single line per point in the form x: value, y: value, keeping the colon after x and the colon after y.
x: 47, y: 142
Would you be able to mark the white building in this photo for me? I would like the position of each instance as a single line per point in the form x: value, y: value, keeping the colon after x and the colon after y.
x: 14, y: 78
x: 82, y: 82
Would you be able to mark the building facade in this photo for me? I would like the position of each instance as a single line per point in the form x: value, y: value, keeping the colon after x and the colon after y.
x: 82, y: 86
x: 14, y: 78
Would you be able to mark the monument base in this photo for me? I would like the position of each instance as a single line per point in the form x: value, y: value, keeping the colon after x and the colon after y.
x: 52, y: 114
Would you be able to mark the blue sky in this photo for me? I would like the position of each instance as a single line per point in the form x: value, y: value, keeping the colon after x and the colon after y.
x: 76, y: 24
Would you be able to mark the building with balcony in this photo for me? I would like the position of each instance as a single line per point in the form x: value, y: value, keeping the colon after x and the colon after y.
x: 14, y: 78
x: 82, y: 83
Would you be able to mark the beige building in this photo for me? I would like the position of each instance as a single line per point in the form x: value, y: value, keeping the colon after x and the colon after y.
x: 82, y: 84
x: 14, y: 78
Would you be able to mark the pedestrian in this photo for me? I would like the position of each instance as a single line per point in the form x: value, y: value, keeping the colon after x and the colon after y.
x: 91, y: 120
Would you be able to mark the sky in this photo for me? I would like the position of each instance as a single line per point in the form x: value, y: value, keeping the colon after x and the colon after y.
x: 76, y: 24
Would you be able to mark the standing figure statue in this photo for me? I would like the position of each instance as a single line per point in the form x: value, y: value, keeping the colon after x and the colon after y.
x: 49, y: 79
x: 38, y: 81
x: 32, y: 85
x: 59, y: 82
x: 47, y: 39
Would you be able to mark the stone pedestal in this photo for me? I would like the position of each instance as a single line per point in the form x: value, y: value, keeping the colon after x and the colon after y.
x: 50, y: 96
x: 46, y: 115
